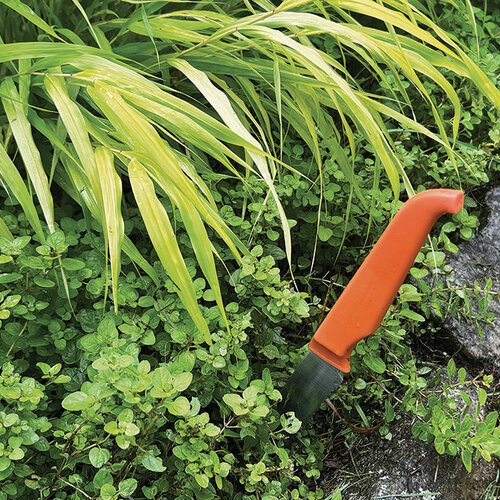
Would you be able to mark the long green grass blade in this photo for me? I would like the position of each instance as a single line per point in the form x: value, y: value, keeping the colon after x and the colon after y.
x: 223, y: 107
x: 89, y: 24
x: 53, y: 53
x: 30, y: 15
x: 77, y: 129
x: 5, y: 231
x: 165, y: 243
x: 142, y: 138
x: 11, y: 180
x: 113, y: 221
x: 21, y: 128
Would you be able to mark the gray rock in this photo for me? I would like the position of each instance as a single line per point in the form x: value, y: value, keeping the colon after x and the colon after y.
x: 406, y: 467
x: 478, y: 260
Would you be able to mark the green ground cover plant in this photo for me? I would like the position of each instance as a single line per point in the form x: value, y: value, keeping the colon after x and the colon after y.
x: 153, y: 295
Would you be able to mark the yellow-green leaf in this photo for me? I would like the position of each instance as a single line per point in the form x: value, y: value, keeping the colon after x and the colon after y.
x: 21, y: 128
x: 165, y: 243
x: 113, y: 221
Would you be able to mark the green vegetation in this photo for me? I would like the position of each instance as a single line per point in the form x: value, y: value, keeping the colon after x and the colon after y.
x: 185, y: 188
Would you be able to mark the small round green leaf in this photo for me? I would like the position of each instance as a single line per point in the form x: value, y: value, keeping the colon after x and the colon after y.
x: 153, y: 463
x: 179, y: 407
x: 98, y: 457
x: 127, y: 487
x: 77, y: 401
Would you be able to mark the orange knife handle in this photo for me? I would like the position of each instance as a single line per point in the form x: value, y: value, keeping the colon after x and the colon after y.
x: 362, y: 305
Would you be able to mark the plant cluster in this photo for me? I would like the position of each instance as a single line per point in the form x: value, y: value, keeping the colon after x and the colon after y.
x: 143, y: 345
x: 98, y: 403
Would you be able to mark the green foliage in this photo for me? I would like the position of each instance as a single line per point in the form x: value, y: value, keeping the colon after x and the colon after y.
x: 130, y: 92
x: 453, y: 423
x: 142, y: 403
x: 109, y: 387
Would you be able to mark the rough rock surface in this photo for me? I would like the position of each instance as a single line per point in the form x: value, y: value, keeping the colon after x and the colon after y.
x: 478, y: 260
x: 407, y: 467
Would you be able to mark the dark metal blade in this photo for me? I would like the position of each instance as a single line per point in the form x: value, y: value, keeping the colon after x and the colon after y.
x: 311, y: 383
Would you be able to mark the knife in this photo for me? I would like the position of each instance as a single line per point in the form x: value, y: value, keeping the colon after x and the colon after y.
x: 359, y: 310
